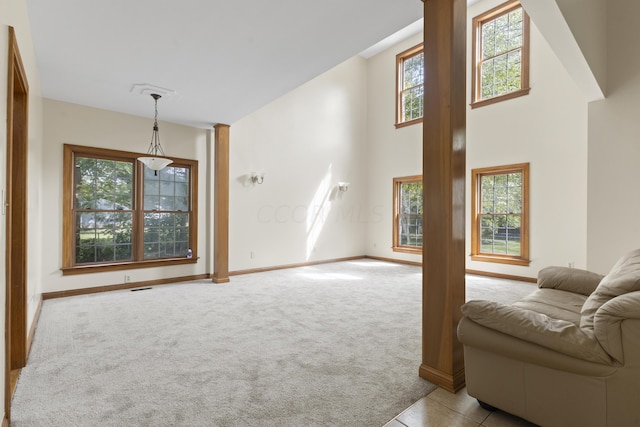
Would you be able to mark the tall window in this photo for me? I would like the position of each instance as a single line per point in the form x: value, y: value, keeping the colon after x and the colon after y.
x: 407, y: 214
x: 119, y: 214
x: 410, y: 86
x: 166, y: 212
x: 103, y: 210
x: 500, y: 214
x: 500, y: 54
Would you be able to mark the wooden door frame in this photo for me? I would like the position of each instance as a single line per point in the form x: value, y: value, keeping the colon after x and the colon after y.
x: 16, y: 217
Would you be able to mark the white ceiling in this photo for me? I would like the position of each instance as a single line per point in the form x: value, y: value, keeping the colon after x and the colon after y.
x: 223, y: 58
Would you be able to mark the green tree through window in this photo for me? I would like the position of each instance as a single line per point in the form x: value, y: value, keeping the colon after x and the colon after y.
x: 408, y: 214
x: 501, y: 204
x: 410, y: 86
x: 501, y: 54
x: 104, y: 210
x: 500, y: 209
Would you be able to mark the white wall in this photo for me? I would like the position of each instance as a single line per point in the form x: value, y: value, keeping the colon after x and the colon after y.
x: 547, y: 128
x: 391, y: 152
x: 66, y: 123
x: 614, y: 145
x: 305, y: 142
x: 587, y: 20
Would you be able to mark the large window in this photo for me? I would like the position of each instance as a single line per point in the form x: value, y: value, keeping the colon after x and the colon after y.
x: 410, y: 86
x: 500, y: 54
x: 119, y: 214
x: 407, y: 214
x: 500, y: 210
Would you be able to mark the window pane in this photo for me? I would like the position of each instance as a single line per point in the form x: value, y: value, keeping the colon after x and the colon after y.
x: 181, y: 204
x: 515, y: 200
x: 501, y: 33
x: 103, y: 190
x: 488, y: 40
x: 166, y: 235
x: 486, y: 79
x: 514, y: 68
x: 500, y: 200
x: 166, y: 231
x: 103, y: 184
x: 103, y: 236
x: 501, y: 205
x: 168, y: 191
x: 181, y: 174
x: 486, y: 194
x: 410, y: 214
x: 515, y: 28
x: 166, y: 188
x: 410, y: 86
x: 182, y: 189
x: 486, y: 233
x: 515, y: 179
x: 501, y: 41
x: 413, y: 103
x: 151, y: 203
x: 411, y: 230
x: 167, y: 203
x: 513, y: 235
x: 500, y: 75
x: 413, y: 71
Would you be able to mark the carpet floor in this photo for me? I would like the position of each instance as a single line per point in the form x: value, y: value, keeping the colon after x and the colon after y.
x: 329, y: 345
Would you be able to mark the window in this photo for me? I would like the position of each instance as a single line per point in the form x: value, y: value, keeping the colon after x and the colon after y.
x: 407, y: 214
x: 119, y: 214
x: 500, y: 54
x: 500, y: 206
x: 410, y: 86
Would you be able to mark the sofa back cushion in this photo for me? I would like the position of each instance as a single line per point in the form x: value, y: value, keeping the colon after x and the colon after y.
x: 624, y: 277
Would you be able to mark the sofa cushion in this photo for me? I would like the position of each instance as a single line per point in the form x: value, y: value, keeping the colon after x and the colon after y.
x: 555, y: 334
x: 624, y: 277
x: 569, y: 279
x: 554, y: 303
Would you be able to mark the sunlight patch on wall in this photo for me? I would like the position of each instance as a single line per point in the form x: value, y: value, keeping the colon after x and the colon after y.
x: 318, y: 212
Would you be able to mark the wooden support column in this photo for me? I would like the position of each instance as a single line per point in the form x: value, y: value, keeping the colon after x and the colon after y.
x: 221, y: 205
x: 443, y: 280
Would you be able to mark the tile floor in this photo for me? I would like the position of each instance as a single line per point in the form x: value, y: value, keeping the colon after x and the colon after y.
x: 443, y: 409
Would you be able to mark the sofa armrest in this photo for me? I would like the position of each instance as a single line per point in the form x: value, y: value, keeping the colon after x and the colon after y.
x: 555, y: 334
x: 608, y: 325
x: 569, y: 279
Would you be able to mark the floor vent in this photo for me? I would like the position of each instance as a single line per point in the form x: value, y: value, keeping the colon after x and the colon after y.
x: 140, y: 289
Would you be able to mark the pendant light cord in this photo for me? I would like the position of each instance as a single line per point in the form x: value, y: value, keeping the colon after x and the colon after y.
x: 155, y: 147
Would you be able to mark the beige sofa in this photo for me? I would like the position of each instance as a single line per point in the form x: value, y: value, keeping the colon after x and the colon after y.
x: 566, y: 355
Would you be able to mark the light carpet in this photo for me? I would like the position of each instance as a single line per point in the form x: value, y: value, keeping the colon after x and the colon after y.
x: 329, y: 345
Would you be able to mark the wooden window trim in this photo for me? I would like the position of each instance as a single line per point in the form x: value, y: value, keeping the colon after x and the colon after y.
x: 400, y: 58
x: 397, y: 247
x: 490, y: 15
x: 476, y: 255
x: 68, y: 223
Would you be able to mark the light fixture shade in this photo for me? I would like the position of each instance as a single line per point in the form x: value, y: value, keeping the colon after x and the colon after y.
x: 155, y: 163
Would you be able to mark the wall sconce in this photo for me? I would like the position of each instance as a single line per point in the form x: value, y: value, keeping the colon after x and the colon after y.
x: 257, y: 177
x: 343, y: 186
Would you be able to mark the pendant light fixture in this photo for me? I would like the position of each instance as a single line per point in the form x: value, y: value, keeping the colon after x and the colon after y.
x: 155, y: 158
